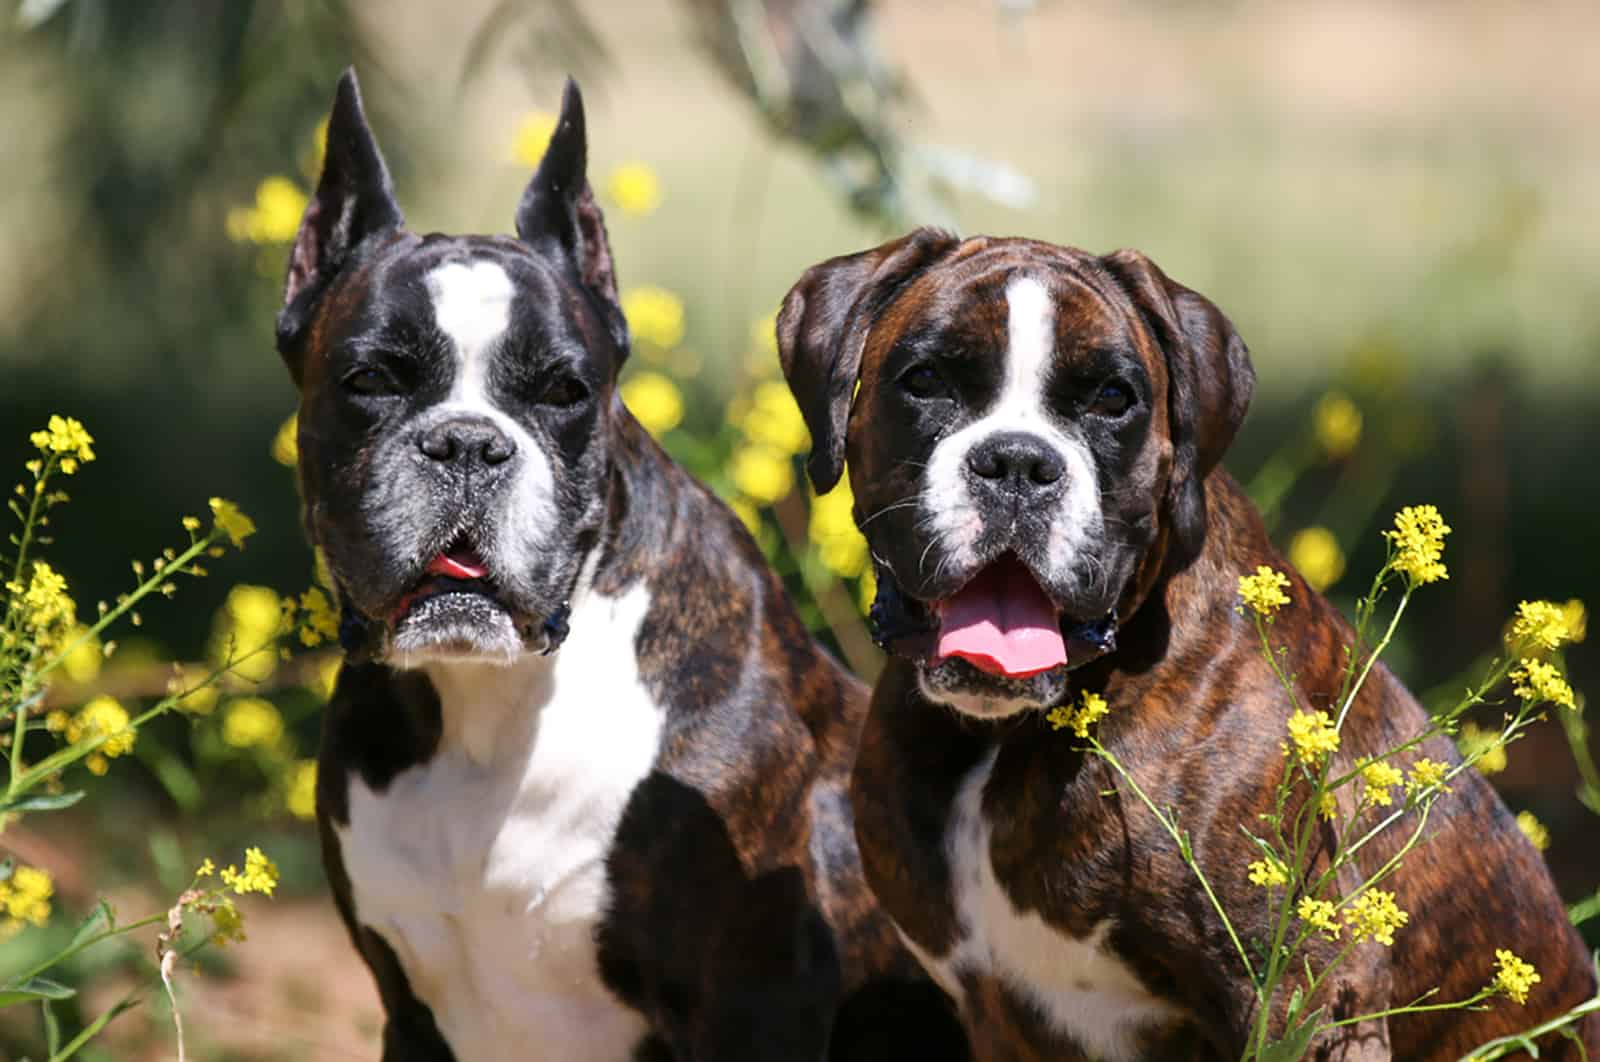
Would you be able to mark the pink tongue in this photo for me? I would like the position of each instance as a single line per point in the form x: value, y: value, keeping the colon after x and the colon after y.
x: 458, y: 566
x: 1001, y: 622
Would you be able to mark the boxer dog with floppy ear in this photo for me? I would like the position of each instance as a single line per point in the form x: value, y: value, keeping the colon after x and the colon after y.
x: 582, y: 785
x: 1033, y: 434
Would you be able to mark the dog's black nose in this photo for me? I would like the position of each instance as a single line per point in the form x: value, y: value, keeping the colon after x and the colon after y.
x: 466, y: 440
x: 1016, y: 462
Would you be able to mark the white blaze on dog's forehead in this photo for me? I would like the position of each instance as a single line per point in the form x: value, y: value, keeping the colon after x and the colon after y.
x: 471, y: 305
x: 1030, y: 344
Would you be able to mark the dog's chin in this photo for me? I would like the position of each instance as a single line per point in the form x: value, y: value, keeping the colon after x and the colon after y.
x: 456, y: 626
x: 973, y: 692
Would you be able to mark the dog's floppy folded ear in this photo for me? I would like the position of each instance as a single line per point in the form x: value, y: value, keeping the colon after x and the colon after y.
x: 822, y: 331
x: 354, y: 200
x: 559, y: 215
x: 1209, y: 384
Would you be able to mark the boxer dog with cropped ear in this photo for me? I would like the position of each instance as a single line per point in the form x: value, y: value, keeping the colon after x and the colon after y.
x: 1033, y: 435
x: 583, y: 781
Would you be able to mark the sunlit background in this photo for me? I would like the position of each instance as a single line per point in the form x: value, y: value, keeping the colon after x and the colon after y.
x: 1394, y: 201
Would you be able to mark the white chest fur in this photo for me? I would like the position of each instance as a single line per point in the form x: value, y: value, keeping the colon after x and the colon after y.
x: 1081, y: 987
x: 484, y: 868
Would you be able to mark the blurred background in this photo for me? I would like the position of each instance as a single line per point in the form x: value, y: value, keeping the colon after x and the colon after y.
x: 1394, y: 201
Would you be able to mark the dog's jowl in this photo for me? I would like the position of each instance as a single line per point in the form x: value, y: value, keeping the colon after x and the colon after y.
x: 1033, y: 435
x: 582, y: 787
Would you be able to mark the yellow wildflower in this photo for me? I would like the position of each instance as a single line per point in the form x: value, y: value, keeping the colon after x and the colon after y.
x: 65, y: 435
x: 1380, y: 777
x: 1375, y: 915
x: 326, y: 677
x: 1316, y: 553
x: 533, y: 137
x: 1337, y: 425
x: 840, y: 546
x: 1091, y: 709
x: 1263, y: 591
x: 747, y: 514
x: 635, y: 189
x: 82, y: 662
x: 48, y: 610
x: 206, y: 868
x: 227, y: 923
x: 56, y: 720
x: 250, y: 619
x: 1534, y: 830
x: 866, y: 591
x: 274, y: 217
x: 201, y: 700
x: 301, y: 798
x: 1535, y: 680
x: 655, y: 315
x: 25, y: 899
x: 1328, y: 806
x: 1514, y: 978
x: 231, y: 522
x: 1541, y: 624
x: 1418, y: 542
x: 285, y: 442
x: 1426, y: 774
x: 1485, y: 745
x: 320, y: 622
x: 252, y: 722
x: 104, y: 720
x: 1266, y: 872
x: 774, y: 419
x: 654, y: 401
x: 1320, y: 915
x: 1313, y: 735
x: 260, y: 874
x: 762, y: 474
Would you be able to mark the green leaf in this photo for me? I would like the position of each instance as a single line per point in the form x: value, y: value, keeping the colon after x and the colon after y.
x: 101, y: 919
x: 52, y: 1027
x: 45, y: 802
x: 32, y: 989
x: 1296, y: 1041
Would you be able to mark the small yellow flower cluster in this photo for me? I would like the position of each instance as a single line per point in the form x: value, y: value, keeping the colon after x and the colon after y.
x: 48, y: 613
x: 842, y: 548
x: 634, y: 188
x: 1267, y: 872
x: 251, y: 619
x: 1490, y: 755
x: 286, y: 442
x: 1316, y: 553
x: 1336, y: 422
x: 260, y: 874
x: 1380, y: 777
x: 104, y: 718
x: 1418, y: 542
x: 1375, y: 915
x: 67, y: 438
x: 1090, y: 710
x: 1514, y: 978
x: 1319, y: 914
x: 1541, y: 624
x: 252, y: 722
x: 301, y: 795
x: 1535, y: 831
x: 319, y: 622
x: 1313, y: 736
x: 655, y: 316
x: 274, y: 217
x: 532, y: 137
x: 231, y: 522
x: 654, y: 401
x: 1535, y: 680
x: 1262, y: 592
x: 1427, y: 774
x: 25, y: 899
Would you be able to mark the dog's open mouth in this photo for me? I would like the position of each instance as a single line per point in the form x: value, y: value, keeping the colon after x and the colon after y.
x: 456, y: 569
x: 1002, y: 622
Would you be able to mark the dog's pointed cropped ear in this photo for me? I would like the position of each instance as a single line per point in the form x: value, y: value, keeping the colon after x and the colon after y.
x: 822, y: 332
x: 354, y: 200
x: 1209, y: 385
x: 558, y: 213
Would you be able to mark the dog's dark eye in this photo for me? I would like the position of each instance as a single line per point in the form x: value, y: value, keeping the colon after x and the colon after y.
x: 923, y: 381
x: 370, y: 380
x: 563, y: 390
x: 1114, y: 399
